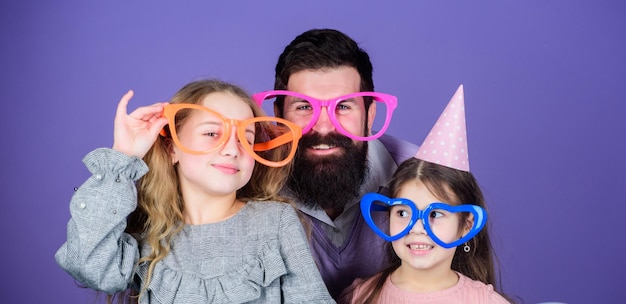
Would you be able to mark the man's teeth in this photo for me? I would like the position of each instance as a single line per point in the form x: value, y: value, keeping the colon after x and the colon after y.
x: 420, y: 247
x: 322, y: 147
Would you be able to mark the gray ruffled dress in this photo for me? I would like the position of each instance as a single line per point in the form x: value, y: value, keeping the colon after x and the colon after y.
x: 260, y: 255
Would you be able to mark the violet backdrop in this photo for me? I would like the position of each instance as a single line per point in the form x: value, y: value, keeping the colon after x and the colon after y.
x: 544, y: 92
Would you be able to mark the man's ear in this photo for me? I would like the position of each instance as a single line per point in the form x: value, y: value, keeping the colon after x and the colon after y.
x: 371, y: 114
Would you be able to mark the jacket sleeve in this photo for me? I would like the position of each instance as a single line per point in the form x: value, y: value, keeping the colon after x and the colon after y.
x: 303, y: 282
x: 97, y: 252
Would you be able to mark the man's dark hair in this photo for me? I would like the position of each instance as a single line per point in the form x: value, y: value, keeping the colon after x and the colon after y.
x: 318, y: 49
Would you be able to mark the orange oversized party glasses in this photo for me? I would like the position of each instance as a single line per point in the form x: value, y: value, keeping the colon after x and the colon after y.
x: 197, y: 130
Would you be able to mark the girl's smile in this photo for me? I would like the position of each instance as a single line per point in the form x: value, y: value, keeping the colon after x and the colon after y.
x: 419, y: 248
x: 226, y: 168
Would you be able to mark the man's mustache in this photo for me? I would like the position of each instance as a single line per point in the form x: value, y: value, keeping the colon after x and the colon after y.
x: 332, y: 139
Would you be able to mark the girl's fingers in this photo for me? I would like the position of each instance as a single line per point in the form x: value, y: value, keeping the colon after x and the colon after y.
x: 147, y: 112
x: 123, y: 104
x: 142, y: 113
x: 134, y: 133
x: 157, y: 125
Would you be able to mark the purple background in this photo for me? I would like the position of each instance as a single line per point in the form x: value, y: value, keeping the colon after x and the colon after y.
x: 543, y: 90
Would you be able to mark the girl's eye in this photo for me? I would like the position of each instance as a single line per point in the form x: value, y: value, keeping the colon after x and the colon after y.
x: 436, y: 214
x: 207, y: 131
x: 403, y: 213
x: 210, y: 134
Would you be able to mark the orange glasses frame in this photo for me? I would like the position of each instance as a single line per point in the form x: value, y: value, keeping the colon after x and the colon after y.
x: 294, y: 134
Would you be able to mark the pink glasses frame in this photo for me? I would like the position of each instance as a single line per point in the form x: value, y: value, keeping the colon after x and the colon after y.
x: 390, y: 101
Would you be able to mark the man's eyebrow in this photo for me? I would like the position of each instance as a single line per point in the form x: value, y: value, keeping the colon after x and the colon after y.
x: 296, y: 99
x: 351, y: 99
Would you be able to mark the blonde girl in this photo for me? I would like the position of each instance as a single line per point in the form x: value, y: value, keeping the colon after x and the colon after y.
x: 184, y: 207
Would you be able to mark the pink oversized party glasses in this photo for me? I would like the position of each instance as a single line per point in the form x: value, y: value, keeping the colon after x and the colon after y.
x: 342, y: 111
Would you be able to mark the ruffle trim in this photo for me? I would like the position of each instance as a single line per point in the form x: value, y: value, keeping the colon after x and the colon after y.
x: 242, y: 284
x: 103, y: 160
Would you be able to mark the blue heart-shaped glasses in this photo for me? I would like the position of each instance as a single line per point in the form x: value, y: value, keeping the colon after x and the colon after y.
x: 372, y: 202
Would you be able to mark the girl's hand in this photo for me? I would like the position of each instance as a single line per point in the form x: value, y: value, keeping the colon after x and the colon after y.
x: 135, y: 133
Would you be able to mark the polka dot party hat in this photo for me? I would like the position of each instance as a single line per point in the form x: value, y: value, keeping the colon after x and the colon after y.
x: 446, y: 144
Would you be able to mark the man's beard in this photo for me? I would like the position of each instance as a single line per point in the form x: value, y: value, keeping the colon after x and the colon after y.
x: 328, y: 181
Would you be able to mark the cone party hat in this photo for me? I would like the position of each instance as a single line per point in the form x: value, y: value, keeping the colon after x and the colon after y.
x: 446, y: 144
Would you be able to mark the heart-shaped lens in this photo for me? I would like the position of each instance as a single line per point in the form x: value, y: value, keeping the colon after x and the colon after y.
x: 373, y: 203
x: 438, y: 219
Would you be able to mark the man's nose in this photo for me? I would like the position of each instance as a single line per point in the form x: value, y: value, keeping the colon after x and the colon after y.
x: 323, y: 125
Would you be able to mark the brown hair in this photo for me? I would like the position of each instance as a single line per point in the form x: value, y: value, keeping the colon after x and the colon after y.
x: 454, y: 187
x: 319, y: 49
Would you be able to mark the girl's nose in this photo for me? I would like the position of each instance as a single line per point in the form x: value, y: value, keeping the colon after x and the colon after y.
x: 418, y: 228
x: 231, y: 145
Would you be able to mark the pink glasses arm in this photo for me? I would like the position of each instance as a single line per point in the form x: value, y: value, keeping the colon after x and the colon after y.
x: 262, y: 96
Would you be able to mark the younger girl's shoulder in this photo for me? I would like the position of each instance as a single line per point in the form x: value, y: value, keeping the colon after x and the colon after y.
x: 357, y: 289
x: 485, y: 292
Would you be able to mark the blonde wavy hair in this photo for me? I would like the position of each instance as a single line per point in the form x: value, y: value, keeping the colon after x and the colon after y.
x: 159, y: 214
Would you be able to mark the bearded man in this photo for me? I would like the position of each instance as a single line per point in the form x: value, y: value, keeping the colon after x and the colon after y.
x: 324, y: 84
